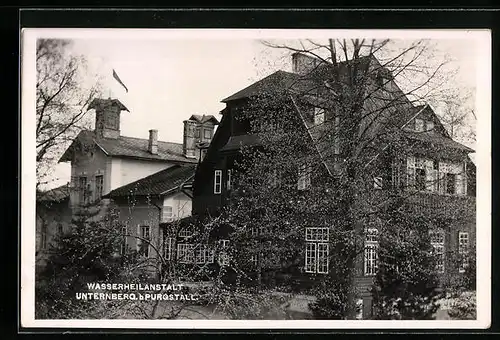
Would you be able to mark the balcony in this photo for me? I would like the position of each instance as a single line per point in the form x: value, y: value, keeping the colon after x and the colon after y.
x: 440, y: 205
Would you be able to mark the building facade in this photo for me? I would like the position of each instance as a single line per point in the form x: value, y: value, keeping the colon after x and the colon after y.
x: 431, y: 170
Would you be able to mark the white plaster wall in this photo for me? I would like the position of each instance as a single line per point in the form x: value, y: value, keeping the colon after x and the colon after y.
x: 181, y: 205
x: 125, y: 171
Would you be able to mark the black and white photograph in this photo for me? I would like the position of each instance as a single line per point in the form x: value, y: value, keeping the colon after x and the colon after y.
x: 255, y: 178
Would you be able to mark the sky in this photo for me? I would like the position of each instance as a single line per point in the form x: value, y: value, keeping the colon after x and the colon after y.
x: 171, y: 76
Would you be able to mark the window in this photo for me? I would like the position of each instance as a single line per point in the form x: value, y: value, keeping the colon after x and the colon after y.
x: 377, y: 182
x: 197, y: 133
x: 167, y: 213
x: 254, y: 260
x: 218, y: 182
x: 185, y: 253
x: 168, y: 247
x: 203, y: 254
x: 229, y: 179
x: 319, y: 115
x: 223, y: 254
x: 422, y: 174
x: 430, y: 125
x: 82, y: 189
x: 304, y: 181
x: 207, y: 134
x: 99, y: 180
x: 420, y: 179
x: 43, y: 237
x: 317, y: 250
x: 123, y: 245
x: 450, y: 180
x: 463, y: 250
x: 371, y: 252
x: 437, y: 242
x: 185, y: 232
x: 144, y: 244
x: 419, y: 125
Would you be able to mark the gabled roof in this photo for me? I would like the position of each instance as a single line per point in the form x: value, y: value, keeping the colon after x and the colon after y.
x: 277, y: 81
x: 202, y: 119
x: 58, y: 194
x: 157, y: 184
x: 97, y: 102
x: 129, y: 147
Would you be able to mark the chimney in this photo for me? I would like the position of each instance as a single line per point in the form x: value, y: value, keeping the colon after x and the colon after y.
x: 153, y: 142
x: 107, y: 120
x: 189, y: 144
x: 303, y: 64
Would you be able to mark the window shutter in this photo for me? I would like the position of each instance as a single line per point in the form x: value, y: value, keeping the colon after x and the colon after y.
x: 459, y: 185
x: 410, y: 172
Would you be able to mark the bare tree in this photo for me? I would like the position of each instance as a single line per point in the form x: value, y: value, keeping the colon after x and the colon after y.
x: 63, y: 92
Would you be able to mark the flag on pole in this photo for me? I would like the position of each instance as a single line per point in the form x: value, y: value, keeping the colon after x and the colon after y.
x: 119, y: 80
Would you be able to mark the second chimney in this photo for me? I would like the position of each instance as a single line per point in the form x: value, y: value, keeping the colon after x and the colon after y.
x: 153, y: 142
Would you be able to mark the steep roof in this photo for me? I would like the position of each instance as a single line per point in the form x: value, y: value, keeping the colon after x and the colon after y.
x: 58, y: 194
x: 156, y: 184
x: 202, y: 119
x: 279, y: 80
x: 386, y: 107
x: 129, y: 147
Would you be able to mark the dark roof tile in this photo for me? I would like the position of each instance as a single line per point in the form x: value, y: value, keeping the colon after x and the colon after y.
x: 157, y: 183
x: 130, y: 147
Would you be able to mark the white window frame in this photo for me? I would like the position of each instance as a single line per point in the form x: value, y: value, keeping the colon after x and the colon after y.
x: 99, y: 188
x: 377, y: 182
x: 371, y: 252
x: 168, y: 248
x: 167, y: 213
x: 218, y: 181
x: 319, y: 115
x: 463, y: 250
x: 185, y: 232
x: 185, y: 253
x: 223, y: 257
x: 43, y: 236
x: 419, y: 125
x: 142, y: 234
x: 229, y: 173
x: 203, y: 254
x: 304, y: 177
x: 317, y: 250
x: 437, y: 238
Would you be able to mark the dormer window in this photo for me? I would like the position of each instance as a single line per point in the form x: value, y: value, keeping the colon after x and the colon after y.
x: 419, y: 125
x: 319, y: 115
x: 207, y: 134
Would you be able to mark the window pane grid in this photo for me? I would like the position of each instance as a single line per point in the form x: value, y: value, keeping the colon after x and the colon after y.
x: 437, y: 242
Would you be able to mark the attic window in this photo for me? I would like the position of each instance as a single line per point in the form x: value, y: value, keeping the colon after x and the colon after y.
x: 430, y: 125
x: 319, y: 115
x: 419, y: 125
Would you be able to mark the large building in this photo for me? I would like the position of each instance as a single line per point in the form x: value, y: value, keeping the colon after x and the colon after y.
x: 145, y: 180
x: 434, y: 168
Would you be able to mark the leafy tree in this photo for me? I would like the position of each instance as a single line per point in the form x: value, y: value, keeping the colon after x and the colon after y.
x: 406, y: 284
x: 63, y: 92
